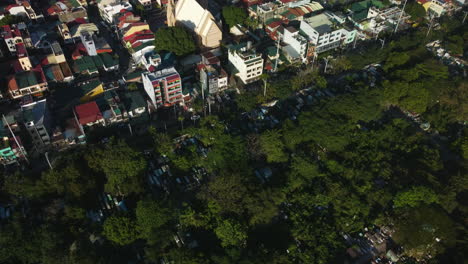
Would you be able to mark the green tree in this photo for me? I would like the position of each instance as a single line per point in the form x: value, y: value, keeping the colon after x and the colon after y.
x: 415, y: 196
x: 231, y: 233
x: 415, y: 10
x: 10, y: 20
x: 233, y: 15
x: 150, y: 217
x: 273, y: 146
x: 121, y: 230
x: 174, y: 39
x: 122, y: 166
x: 418, y: 230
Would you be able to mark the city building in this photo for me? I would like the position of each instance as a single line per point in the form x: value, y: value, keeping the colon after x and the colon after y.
x: 11, y: 36
x: 200, y: 21
x: 247, y: 63
x: 27, y: 83
x: 296, y: 44
x: 108, y: 9
x: 322, y: 33
x: 213, y: 78
x: 37, y: 121
x: 163, y: 87
x: 11, y: 147
x: 89, y: 114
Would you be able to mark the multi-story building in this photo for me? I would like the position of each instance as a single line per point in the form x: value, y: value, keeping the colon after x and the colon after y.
x: 27, y: 83
x: 213, y: 78
x: 247, y: 63
x: 37, y: 121
x: 108, y: 11
x: 296, y: 48
x: 23, y: 58
x: 11, y: 36
x: 321, y: 32
x: 163, y: 87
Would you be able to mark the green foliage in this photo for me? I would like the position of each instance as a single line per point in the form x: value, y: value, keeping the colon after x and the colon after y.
x: 10, y: 20
x: 121, y: 165
x: 231, y: 233
x: 121, y: 230
x: 234, y: 15
x: 415, y: 196
x: 418, y: 228
x: 415, y: 10
x: 151, y: 216
x: 174, y: 39
x: 273, y: 146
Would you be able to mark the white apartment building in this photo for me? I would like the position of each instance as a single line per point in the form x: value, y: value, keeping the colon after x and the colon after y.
x: 247, y: 62
x: 296, y: 48
x: 213, y: 79
x: 108, y: 11
x: 320, y: 32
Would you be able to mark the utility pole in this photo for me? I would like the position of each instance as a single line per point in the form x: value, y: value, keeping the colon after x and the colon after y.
x: 16, y: 140
x: 326, y: 65
x: 430, y: 25
x: 209, y: 106
x: 277, y: 53
x: 47, y: 159
x: 466, y: 13
x: 383, y: 42
x: 401, y: 15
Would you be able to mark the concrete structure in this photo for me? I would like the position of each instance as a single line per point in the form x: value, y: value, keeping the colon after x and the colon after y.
x: 163, y: 87
x: 11, y: 36
x: 247, y: 63
x: 88, y: 43
x: 38, y: 123
x: 27, y: 83
x: 23, y: 58
x: 296, y: 44
x: 200, y: 21
x: 213, y: 79
x: 320, y: 31
x: 108, y: 11
x: 11, y: 147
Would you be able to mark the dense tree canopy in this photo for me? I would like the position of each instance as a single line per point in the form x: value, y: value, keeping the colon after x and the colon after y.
x: 233, y: 15
x: 174, y: 39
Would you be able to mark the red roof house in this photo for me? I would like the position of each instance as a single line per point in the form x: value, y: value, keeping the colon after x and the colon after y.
x: 88, y: 113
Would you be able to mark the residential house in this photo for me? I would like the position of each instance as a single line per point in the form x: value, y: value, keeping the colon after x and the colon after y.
x: 135, y: 104
x: 11, y: 147
x: 200, y: 21
x: 27, y: 83
x: 163, y: 87
x: 23, y: 62
x: 37, y: 121
x: 247, y: 63
x: 89, y: 114
x: 11, y: 36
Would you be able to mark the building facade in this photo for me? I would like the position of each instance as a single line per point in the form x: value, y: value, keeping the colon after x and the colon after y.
x: 247, y: 63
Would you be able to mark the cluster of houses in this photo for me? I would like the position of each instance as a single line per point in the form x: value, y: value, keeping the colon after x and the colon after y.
x: 63, y: 75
